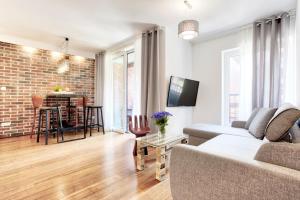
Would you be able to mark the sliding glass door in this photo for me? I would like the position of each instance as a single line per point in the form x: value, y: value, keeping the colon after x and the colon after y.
x: 123, y: 89
x: 231, y: 73
x: 119, y: 93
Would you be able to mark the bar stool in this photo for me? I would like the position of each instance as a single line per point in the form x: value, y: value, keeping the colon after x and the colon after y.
x: 50, y: 122
x: 89, y: 118
x: 78, y: 110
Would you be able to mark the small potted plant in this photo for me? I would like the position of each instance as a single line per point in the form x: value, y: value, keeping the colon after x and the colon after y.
x: 58, y: 88
x: 161, y: 120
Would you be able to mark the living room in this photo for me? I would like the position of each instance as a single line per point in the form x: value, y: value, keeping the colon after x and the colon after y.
x: 133, y: 99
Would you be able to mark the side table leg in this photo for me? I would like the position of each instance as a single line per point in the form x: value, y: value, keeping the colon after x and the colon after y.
x: 161, y: 163
x: 140, y: 158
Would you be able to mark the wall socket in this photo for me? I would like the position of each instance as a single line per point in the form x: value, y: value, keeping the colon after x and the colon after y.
x: 4, y: 124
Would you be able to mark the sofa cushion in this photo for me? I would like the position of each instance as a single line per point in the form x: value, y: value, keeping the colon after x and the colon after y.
x: 260, y: 122
x: 284, y: 118
x: 209, y: 131
x: 232, y: 146
x: 253, y: 114
x: 280, y: 153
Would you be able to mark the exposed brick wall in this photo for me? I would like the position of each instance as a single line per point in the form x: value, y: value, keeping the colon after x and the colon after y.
x: 24, y: 74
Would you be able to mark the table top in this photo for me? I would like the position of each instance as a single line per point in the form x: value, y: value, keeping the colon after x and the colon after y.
x: 160, y: 140
x: 69, y: 95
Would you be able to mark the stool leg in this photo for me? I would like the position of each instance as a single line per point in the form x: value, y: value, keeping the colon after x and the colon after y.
x: 98, y: 124
x: 91, y: 121
x: 47, y: 127
x: 57, y: 125
x: 39, y: 128
x: 135, y: 149
x: 60, y: 124
x: 84, y: 122
x: 33, y: 123
x: 102, y: 121
x: 87, y: 120
x: 52, y: 120
x: 76, y: 119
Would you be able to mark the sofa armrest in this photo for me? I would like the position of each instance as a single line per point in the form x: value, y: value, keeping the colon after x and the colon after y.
x: 195, y: 174
x: 238, y: 124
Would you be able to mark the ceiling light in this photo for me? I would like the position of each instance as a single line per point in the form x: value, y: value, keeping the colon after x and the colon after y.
x: 79, y: 58
x: 64, y: 65
x: 30, y: 50
x: 188, y: 29
x: 56, y: 55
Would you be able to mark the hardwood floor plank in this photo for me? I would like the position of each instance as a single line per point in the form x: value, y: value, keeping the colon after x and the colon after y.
x: 99, y: 167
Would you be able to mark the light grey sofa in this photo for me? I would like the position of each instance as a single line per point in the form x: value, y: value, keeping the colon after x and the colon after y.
x: 220, y: 163
x: 200, y: 133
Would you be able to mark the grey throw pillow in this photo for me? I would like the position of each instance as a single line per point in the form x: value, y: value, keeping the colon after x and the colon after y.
x: 284, y: 118
x: 260, y: 122
x: 253, y: 114
x: 280, y: 153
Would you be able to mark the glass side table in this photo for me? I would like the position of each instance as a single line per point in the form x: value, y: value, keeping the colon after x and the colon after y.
x: 163, y: 144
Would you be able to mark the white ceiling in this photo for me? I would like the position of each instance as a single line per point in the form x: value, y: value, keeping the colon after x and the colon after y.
x: 93, y: 25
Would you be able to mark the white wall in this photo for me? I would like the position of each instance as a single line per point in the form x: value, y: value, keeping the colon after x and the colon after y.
x: 178, y: 62
x: 207, y: 68
x: 298, y: 51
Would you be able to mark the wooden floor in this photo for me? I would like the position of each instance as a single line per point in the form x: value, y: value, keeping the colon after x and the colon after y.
x: 99, y: 167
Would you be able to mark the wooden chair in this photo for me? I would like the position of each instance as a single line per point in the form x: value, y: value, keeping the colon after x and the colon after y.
x: 139, y: 129
x: 37, y: 102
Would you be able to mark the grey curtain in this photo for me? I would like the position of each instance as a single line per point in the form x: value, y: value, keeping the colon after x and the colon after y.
x: 270, y: 41
x: 151, y: 78
x: 99, y: 78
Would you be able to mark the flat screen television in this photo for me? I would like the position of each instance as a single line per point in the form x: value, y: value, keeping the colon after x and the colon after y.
x: 182, y: 92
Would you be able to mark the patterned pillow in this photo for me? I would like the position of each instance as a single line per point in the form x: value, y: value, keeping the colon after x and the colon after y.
x: 284, y: 119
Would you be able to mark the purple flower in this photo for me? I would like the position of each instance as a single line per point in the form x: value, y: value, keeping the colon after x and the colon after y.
x: 161, y: 115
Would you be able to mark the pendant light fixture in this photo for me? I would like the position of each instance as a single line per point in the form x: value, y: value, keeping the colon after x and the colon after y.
x: 188, y: 29
x: 64, y: 65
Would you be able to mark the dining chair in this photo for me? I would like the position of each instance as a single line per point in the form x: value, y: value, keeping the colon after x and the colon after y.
x: 37, y: 102
x: 138, y: 128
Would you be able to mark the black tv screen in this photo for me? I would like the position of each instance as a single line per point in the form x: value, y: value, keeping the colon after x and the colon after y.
x: 182, y: 92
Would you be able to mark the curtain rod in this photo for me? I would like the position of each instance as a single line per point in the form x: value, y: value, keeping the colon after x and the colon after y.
x: 276, y: 17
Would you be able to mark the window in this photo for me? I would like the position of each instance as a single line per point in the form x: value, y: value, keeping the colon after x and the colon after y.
x: 231, y: 85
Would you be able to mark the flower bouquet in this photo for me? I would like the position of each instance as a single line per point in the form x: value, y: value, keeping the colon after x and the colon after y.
x: 161, y: 120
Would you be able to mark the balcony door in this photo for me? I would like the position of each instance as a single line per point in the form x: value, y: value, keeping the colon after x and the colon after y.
x: 124, y: 89
x: 231, y: 85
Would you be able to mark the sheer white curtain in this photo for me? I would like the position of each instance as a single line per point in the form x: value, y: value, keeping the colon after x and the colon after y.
x: 137, y: 72
x: 108, y: 95
x: 245, y: 105
x: 288, y: 53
